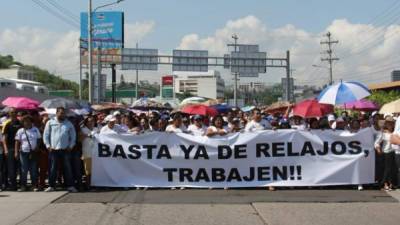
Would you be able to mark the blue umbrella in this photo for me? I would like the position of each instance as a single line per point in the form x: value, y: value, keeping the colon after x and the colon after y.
x: 222, y: 108
x: 343, y: 92
x: 247, y: 108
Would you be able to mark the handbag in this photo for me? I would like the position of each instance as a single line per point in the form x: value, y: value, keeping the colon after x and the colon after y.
x: 32, y: 154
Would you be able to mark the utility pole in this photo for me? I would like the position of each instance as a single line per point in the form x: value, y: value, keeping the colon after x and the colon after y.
x: 288, y: 71
x: 137, y: 79
x: 235, y: 37
x: 90, y: 27
x: 329, y: 43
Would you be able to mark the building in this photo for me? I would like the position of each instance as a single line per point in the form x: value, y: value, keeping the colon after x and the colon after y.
x: 17, y: 72
x: 252, y: 87
x: 203, y: 84
x: 387, y: 86
x: 24, y: 85
x: 395, y: 75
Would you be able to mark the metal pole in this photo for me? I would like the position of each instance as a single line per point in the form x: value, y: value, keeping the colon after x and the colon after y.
x: 235, y: 37
x: 80, y: 69
x: 137, y: 78
x: 90, y: 51
x: 288, y: 76
x: 113, y: 83
x: 98, y: 81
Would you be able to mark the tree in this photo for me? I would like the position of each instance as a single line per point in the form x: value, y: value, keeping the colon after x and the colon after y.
x: 382, y: 97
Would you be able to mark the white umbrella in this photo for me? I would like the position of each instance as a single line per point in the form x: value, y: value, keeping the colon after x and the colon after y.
x: 343, y: 92
x: 193, y: 100
x: 391, y: 107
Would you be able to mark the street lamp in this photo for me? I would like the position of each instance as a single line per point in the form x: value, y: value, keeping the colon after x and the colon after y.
x: 90, y: 47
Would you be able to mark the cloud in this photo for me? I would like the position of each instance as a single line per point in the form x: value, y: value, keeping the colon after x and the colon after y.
x: 58, y: 51
x: 364, y: 49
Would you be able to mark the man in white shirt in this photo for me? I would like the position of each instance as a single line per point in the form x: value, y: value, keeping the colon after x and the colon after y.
x: 257, y: 123
x: 111, y: 127
x: 177, y: 125
x: 197, y: 128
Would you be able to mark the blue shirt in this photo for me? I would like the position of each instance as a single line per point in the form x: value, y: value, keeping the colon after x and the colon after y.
x: 59, y: 135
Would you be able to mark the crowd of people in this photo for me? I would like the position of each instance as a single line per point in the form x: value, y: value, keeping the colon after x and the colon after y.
x: 56, y: 150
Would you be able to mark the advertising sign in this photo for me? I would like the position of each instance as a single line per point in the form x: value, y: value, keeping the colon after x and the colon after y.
x: 108, y: 30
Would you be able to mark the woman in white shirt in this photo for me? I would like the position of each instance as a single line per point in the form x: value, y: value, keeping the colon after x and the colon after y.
x: 217, y: 127
x: 177, y: 125
x: 88, y: 130
x: 384, y: 146
x: 26, y: 142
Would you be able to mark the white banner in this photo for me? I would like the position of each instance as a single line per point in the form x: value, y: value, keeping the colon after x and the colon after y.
x: 267, y: 158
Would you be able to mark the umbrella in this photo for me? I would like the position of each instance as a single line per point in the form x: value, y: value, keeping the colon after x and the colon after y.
x: 149, y: 104
x: 222, y: 108
x: 200, y: 109
x: 311, y: 108
x: 193, y: 100
x: 21, y: 103
x: 391, y: 107
x: 343, y: 92
x: 362, y: 105
x: 247, y: 108
x: 278, y: 107
x: 60, y: 102
x: 108, y: 106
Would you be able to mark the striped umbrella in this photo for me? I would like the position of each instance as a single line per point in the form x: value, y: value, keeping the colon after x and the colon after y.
x: 343, y: 92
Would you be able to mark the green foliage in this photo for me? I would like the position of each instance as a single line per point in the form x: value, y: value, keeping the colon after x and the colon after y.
x: 51, y: 81
x: 382, y: 97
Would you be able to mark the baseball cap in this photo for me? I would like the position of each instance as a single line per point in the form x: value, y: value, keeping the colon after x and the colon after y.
x: 109, y: 118
x: 116, y: 113
x: 197, y: 117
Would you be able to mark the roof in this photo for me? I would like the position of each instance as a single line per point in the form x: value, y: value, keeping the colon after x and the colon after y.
x: 385, y: 85
x: 12, y: 92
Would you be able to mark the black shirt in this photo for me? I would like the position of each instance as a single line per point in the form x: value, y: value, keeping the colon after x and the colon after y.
x: 10, y: 129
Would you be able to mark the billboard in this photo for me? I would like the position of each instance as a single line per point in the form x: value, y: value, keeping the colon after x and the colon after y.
x: 108, y: 30
x: 190, y: 60
x: 167, y: 80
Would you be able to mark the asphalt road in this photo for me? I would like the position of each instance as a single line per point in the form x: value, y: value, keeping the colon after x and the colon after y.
x: 218, y: 207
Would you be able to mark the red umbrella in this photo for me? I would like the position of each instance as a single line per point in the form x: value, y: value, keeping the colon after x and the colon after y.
x: 21, y: 103
x: 311, y: 108
x: 200, y: 109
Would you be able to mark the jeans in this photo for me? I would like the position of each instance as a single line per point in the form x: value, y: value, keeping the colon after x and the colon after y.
x: 388, y: 172
x: 12, y: 168
x: 76, y: 162
x: 28, y: 164
x: 2, y: 170
x: 63, y: 157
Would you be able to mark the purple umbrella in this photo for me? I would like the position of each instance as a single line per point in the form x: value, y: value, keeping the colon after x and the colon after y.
x: 361, y: 105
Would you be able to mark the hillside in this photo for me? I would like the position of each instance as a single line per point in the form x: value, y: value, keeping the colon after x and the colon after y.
x: 52, y: 81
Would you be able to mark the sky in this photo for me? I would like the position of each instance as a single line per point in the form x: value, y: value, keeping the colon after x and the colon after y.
x: 368, y: 32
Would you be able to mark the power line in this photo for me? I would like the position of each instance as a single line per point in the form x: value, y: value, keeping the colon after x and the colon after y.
x: 329, y: 59
x: 55, y: 13
x: 63, y: 10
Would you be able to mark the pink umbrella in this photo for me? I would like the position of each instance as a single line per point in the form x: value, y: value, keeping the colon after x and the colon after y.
x: 21, y: 103
x: 362, y: 105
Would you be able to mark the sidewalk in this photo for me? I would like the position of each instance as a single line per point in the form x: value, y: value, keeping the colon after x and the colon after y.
x: 17, y: 206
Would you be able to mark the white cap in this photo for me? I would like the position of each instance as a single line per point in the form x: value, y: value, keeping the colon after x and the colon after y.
x: 109, y: 118
x: 331, y: 117
x: 374, y: 113
x: 340, y: 119
x: 387, y: 115
x: 116, y: 113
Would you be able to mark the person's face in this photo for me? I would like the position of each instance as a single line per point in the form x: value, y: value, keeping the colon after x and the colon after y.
x: 219, y: 122
x: 90, y: 122
x: 118, y: 119
x: 143, y: 123
x: 27, y: 123
x: 198, y: 122
x: 13, y: 114
x: 60, y: 114
x: 364, y: 124
x: 111, y: 124
x: 178, y: 122
x: 257, y: 115
x: 314, y: 124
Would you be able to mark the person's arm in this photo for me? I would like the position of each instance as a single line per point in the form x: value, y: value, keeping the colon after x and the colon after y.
x: 395, y: 139
x: 378, y: 143
x: 17, y: 144
x: 46, y: 136
x: 5, y: 136
x: 72, y: 136
x: 210, y: 132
